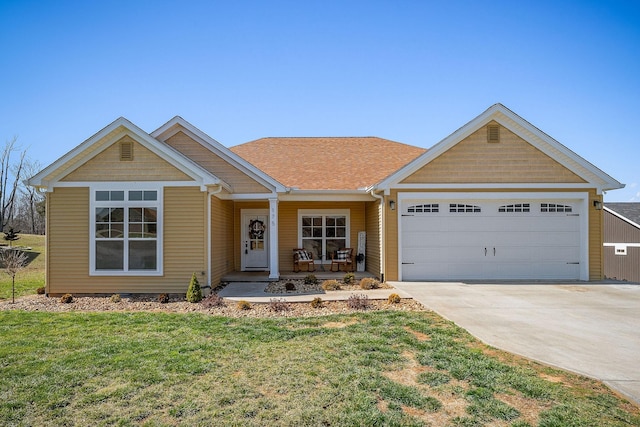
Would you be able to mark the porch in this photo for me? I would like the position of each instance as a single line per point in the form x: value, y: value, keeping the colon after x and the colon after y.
x: 263, y: 276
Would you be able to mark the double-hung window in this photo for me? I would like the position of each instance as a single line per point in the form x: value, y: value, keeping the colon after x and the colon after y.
x: 126, y: 232
x: 323, y: 232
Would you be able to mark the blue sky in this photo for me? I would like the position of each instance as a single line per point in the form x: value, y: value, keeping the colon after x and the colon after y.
x: 410, y: 71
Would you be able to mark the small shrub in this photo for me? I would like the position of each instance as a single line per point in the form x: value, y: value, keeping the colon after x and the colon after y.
x: 310, y: 279
x: 213, y: 300
x: 41, y: 290
x: 115, y: 298
x: 349, y: 278
x: 194, y: 293
x: 278, y: 305
x: 394, y: 299
x: 358, y: 302
x: 66, y: 298
x: 289, y: 286
x: 331, y: 285
x: 163, y: 298
x: 244, y: 305
x: 316, y: 303
x: 369, y: 283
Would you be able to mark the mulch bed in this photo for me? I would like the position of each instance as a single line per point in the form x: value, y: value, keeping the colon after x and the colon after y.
x: 179, y: 305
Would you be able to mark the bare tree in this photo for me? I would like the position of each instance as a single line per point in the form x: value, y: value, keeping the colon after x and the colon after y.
x: 29, y: 214
x: 13, y: 261
x: 10, y: 177
x: 30, y: 210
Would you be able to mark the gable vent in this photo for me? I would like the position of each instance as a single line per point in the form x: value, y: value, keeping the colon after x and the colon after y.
x: 126, y: 151
x: 493, y: 133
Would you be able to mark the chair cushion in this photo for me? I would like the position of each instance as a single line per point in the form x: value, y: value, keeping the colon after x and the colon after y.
x: 342, y: 255
x: 303, y: 256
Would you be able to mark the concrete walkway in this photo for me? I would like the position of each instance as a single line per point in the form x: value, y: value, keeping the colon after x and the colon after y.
x: 254, y: 292
x: 590, y: 329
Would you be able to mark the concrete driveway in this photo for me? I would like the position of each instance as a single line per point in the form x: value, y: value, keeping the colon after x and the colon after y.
x: 590, y: 329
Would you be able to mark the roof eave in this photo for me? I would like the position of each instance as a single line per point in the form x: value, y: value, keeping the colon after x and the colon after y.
x: 326, y: 195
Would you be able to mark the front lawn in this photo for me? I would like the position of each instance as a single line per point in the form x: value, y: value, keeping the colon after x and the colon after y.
x: 32, y: 277
x: 367, y: 369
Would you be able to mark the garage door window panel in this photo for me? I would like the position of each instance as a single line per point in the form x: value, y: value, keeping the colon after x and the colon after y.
x: 427, y: 208
x: 458, y: 208
x: 553, y: 207
x: 517, y: 207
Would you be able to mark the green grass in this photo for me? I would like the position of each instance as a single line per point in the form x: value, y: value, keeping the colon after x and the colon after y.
x: 158, y: 369
x: 379, y: 369
x: 32, y: 276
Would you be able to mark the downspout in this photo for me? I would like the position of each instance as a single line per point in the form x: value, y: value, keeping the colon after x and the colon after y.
x: 383, y: 217
x: 209, y: 239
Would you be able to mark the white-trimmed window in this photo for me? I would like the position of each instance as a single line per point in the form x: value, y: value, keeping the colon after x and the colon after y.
x: 126, y: 232
x: 323, y: 232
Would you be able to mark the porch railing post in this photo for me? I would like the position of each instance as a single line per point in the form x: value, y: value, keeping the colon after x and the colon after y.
x: 274, y: 261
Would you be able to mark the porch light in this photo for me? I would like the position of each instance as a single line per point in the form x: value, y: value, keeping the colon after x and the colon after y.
x: 597, y: 204
x: 392, y: 205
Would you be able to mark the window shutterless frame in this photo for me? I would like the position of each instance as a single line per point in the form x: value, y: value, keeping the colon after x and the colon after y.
x: 322, y: 231
x: 125, y: 230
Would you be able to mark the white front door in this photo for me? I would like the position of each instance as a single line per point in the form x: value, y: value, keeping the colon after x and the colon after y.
x: 255, y: 240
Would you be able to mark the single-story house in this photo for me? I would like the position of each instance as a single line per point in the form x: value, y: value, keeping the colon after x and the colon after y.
x: 622, y: 241
x: 129, y: 211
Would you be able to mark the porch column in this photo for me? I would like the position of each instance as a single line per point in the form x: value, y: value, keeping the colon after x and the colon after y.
x: 274, y: 261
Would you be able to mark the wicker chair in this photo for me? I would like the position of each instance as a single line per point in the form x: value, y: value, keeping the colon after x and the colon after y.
x: 303, y: 257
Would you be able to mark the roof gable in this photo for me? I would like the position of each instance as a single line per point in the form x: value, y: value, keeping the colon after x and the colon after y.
x: 519, y: 127
x: 53, y: 174
x: 211, y: 153
x: 328, y: 163
x: 144, y: 165
x: 511, y: 160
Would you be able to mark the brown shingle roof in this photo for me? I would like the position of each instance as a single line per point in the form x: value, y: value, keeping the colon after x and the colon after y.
x: 327, y: 163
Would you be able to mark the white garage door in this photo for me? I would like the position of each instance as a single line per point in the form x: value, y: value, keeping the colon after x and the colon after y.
x: 489, y: 239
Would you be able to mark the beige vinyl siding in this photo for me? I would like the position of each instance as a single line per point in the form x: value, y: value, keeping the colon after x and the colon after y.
x: 68, y: 245
x: 391, y: 238
x: 145, y: 166
x: 288, y: 226
x: 185, y: 237
x: 222, y: 242
x: 474, y: 160
x: 67, y: 240
x: 596, y: 239
x: 239, y: 181
x: 374, y: 245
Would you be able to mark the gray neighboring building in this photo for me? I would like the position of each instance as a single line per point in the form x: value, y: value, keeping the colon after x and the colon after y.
x: 622, y: 241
